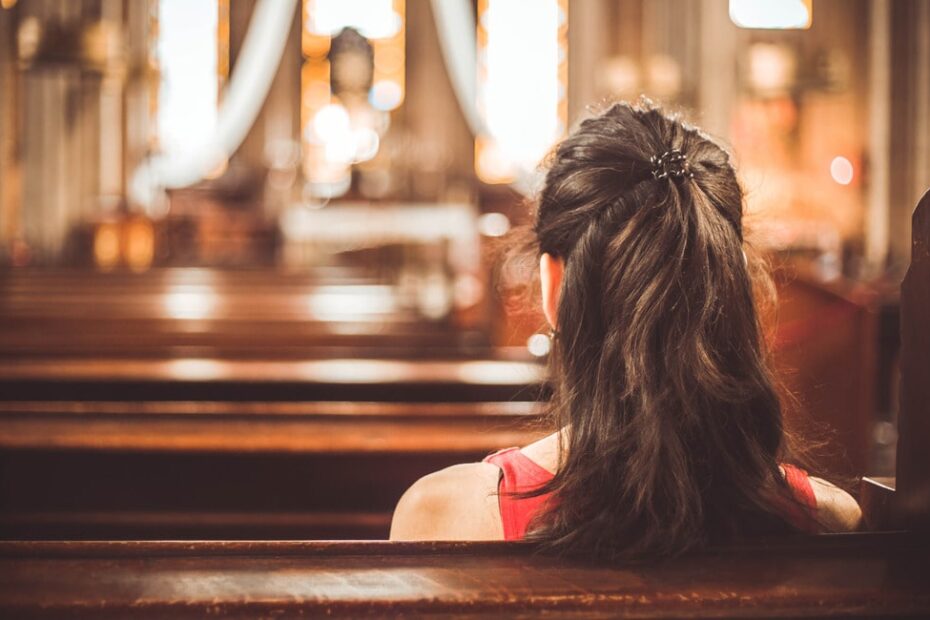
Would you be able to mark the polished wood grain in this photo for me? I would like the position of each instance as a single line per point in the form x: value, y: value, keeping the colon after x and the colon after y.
x: 255, y: 427
x: 200, y: 334
x: 828, y: 576
x: 270, y: 379
x: 184, y: 312
x: 204, y: 469
x: 349, y: 371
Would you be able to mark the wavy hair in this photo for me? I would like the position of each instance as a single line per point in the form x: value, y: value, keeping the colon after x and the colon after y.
x: 672, y: 422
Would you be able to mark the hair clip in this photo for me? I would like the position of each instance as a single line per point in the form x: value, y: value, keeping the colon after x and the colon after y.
x: 670, y: 164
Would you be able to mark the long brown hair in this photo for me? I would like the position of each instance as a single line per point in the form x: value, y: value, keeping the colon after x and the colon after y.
x: 673, y: 423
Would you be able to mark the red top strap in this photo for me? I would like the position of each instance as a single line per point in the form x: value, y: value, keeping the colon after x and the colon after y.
x: 519, y: 474
x: 800, y: 513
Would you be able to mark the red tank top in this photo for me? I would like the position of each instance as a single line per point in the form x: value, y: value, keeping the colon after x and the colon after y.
x: 519, y: 473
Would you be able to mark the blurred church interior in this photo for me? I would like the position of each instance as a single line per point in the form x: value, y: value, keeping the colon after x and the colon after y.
x: 245, y: 244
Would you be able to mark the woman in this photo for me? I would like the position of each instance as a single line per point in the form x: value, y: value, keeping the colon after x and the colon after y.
x: 670, y: 428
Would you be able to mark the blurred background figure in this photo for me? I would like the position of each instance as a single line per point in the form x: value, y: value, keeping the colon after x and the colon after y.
x: 210, y: 181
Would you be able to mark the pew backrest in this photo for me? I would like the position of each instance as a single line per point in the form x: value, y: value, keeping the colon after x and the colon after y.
x: 864, y: 575
x: 271, y: 380
x: 912, y: 503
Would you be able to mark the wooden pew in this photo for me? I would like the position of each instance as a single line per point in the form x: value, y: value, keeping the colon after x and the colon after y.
x: 208, y: 470
x: 144, y: 387
x: 101, y: 443
x: 828, y: 350
x: 912, y: 492
x: 866, y: 576
x: 106, y: 323
x: 903, y: 501
x: 270, y: 380
x: 229, y: 314
x: 262, y: 427
x: 855, y: 575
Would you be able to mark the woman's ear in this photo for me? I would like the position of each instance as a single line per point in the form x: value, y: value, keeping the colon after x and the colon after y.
x: 551, y: 269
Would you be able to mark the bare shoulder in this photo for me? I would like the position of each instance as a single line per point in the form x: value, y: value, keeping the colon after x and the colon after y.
x: 837, y: 510
x: 456, y: 503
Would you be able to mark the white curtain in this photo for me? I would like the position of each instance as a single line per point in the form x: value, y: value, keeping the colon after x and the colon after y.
x: 242, y: 100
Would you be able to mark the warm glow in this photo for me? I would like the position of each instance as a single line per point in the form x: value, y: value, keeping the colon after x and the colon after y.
x: 341, y: 142
x: 841, y: 169
x: 334, y: 137
x: 331, y: 123
x: 771, y: 14
x: 538, y: 345
x: 351, y: 370
x: 771, y: 68
x: 493, y: 224
x: 139, y: 250
x: 386, y: 95
x: 389, y: 79
x: 192, y: 303
x: 499, y: 373
x: 365, y: 142
x: 188, y: 62
x: 193, y: 369
x: 351, y: 303
x: 374, y: 19
x: 106, y: 245
x: 522, y: 55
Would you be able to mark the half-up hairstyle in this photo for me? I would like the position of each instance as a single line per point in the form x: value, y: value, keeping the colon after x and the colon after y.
x: 672, y: 423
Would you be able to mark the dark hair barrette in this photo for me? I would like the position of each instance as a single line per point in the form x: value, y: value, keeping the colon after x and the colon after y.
x: 670, y: 164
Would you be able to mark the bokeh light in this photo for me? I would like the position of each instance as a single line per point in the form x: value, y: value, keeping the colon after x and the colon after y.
x: 841, y: 169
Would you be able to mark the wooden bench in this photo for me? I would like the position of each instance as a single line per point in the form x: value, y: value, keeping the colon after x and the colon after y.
x: 270, y: 380
x: 912, y: 494
x: 831, y: 354
x: 208, y: 470
x: 266, y: 427
x: 107, y: 431
x: 229, y: 314
x: 198, y: 403
x: 109, y: 323
x: 854, y: 575
x: 250, y: 437
x: 861, y: 575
